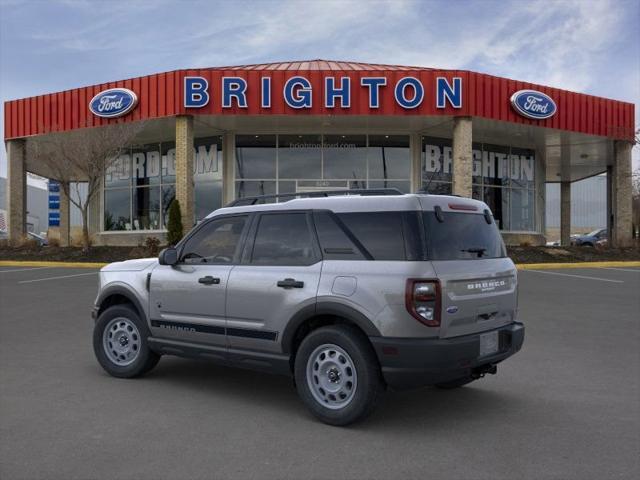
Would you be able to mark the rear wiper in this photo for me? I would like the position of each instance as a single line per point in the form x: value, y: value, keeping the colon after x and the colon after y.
x: 479, y: 251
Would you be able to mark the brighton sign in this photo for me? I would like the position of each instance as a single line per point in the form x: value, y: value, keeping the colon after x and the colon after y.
x: 408, y: 92
x: 533, y: 104
x: 113, y: 103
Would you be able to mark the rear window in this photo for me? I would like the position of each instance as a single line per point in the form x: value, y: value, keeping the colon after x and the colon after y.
x: 462, y: 236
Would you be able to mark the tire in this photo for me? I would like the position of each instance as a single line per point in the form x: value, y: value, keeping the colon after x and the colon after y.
x: 125, y: 353
x: 460, y: 382
x: 334, y: 357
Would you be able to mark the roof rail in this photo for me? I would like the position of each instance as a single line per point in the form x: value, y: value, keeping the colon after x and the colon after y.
x: 322, y: 193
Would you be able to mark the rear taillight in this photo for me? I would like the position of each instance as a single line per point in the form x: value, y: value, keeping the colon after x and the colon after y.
x: 422, y: 298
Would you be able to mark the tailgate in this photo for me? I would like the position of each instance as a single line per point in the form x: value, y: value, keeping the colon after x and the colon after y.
x: 477, y: 295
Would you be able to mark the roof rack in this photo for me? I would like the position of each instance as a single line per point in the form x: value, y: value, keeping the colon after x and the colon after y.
x: 322, y: 193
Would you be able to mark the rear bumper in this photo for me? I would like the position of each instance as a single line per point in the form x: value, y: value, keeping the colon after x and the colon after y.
x: 409, y: 363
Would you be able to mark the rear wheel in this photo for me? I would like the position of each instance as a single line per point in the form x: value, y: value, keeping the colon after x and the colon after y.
x: 337, y: 374
x: 120, y: 343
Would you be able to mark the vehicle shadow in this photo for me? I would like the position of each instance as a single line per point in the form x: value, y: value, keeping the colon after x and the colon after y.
x: 404, y: 411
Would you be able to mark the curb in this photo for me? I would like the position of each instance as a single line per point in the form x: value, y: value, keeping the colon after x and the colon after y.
x: 519, y: 266
x: 549, y: 266
x: 20, y: 263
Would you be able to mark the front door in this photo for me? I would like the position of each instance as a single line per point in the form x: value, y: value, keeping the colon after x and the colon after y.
x: 278, y: 277
x: 187, y: 300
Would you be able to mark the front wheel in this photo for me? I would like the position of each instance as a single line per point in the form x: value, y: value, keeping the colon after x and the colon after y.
x: 337, y: 374
x: 120, y: 343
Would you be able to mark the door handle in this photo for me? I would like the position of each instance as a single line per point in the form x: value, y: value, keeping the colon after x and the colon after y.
x: 290, y: 283
x: 209, y: 280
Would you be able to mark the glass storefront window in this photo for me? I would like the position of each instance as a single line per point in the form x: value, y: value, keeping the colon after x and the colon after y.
x: 151, y: 171
x: 503, y: 177
x: 389, y: 157
x: 251, y: 188
x: 299, y: 156
x: 146, y: 208
x: 436, y: 160
x: 117, y: 209
x: 256, y: 156
x: 344, y: 157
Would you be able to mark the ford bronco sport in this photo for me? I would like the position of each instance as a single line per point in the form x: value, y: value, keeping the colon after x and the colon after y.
x: 350, y: 294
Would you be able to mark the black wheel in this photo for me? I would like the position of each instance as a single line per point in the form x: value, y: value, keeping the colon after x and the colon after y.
x: 460, y: 382
x: 337, y: 374
x: 120, y: 343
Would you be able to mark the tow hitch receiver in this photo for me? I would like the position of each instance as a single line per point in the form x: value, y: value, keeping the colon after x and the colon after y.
x: 483, y: 370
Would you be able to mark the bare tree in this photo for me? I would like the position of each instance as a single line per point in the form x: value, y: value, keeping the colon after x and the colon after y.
x: 82, y: 156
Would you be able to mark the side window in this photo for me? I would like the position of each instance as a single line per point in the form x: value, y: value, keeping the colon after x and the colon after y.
x: 381, y: 233
x: 334, y: 242
x: 283, y: 239
x: 215, y: 243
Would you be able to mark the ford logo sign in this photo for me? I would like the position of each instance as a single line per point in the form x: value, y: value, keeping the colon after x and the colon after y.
x: 533, y: 104
x: 452, y: 309
x: 114, y: 102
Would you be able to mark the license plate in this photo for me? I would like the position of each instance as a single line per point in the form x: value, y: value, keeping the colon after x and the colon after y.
x: 488, y: 343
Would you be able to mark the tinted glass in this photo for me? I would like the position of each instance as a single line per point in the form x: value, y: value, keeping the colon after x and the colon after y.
x: 146, y: 208
x: 283, y: 239
x: 389, y: 156
x: 379, y: 232
x: 255, y: 156
x: 117, y: 204
x: 345, y: 156
x: 216, y: 242
x: 300, y: 156
x: 437, y: 163
x: 334, y: 242
x: 462, y: 236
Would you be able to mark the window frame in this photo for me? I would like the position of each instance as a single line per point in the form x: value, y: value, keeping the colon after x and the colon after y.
x: 239, y: 248
x: 247, y: 253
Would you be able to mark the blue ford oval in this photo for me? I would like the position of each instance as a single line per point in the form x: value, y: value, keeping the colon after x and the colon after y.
x: 533, y: 104
x: 114, y: 102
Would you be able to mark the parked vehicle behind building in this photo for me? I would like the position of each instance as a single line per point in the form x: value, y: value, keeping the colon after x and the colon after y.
x: 348, y: 294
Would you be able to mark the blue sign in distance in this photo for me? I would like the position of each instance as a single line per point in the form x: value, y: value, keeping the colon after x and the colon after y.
x: 113, y: 103
x: 533, y: 104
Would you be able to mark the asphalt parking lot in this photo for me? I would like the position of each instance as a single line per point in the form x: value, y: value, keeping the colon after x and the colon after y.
x: 567, y: 406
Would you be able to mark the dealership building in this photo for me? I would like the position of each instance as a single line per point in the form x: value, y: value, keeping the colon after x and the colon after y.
x: 209, y: 136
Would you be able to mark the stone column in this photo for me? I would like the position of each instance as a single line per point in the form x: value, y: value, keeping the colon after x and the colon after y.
x: 16, y: 191
x: 565, y: 213
x: 415, y: 147
x: 621, y: 184
x: 184, y: 170
x: 65, y: 216
x: 228, y: 167
x: 462, y: 156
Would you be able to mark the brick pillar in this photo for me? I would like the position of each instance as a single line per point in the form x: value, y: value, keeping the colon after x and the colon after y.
x: 565, y: 213
x: 16, y: 191
x: 621, y: 184
x: 228, y: 167
x: 184, y: 170
x: 65, y: 218
x: 462, y: 156
x: 415, y: 147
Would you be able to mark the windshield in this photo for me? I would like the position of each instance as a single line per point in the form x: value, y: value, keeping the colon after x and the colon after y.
x: 462, y: 236
x: 594, y: 233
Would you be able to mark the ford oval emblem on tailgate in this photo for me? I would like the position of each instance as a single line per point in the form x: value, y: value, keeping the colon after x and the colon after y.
x: 452, y: 309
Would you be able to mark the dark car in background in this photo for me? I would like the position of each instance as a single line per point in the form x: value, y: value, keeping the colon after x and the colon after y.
x: 591, y: 239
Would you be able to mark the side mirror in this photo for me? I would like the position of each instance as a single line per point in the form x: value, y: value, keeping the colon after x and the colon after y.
x: 168, y: 256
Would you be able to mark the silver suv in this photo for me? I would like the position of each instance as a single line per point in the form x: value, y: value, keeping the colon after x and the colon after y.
x: 348, y: 294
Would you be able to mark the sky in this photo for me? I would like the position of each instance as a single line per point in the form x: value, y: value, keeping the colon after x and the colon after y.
x: 581, y: 45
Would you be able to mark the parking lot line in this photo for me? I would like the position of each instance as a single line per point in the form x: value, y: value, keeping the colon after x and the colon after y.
x: 23, y: 269
x: 577, y: 276
x: 57, y: 278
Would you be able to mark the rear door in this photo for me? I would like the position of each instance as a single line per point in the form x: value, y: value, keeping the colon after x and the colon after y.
x: 187, y: 300
x: 478, y: 282
x: 279, y: 276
